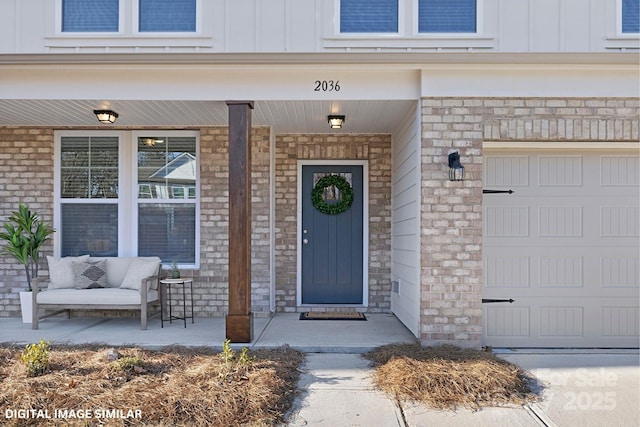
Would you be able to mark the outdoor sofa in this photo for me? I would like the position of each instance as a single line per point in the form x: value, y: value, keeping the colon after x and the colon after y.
x: 97, y: 283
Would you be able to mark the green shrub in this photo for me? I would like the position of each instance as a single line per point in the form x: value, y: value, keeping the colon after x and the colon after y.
x: 228, y: 356
x: 234, y: 365
x: 127, y: 363
x: 245, y: 359
x: 36, y: 358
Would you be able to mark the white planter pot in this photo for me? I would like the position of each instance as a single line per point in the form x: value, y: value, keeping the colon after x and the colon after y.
x: 26, y: 304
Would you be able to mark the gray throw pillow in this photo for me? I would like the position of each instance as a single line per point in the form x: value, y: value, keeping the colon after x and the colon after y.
x: 90, y: 275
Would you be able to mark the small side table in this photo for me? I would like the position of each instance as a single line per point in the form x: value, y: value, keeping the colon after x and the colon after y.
x: 167, y: 284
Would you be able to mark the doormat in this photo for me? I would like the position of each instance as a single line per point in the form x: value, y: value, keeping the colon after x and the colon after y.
x: 317, y: 315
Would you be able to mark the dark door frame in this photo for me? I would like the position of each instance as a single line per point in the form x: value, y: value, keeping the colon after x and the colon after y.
x: 365, y: 228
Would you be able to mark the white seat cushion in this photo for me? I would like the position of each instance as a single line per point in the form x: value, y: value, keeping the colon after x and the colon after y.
x: 100, y: 296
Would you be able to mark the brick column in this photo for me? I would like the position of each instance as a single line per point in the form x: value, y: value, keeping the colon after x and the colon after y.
x: 451, y: 224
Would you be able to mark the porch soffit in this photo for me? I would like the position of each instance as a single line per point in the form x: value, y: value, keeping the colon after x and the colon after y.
x: 305, y: 116
x: 369, y: 108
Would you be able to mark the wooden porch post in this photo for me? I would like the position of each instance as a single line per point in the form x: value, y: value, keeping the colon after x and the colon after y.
x: 239, y: 320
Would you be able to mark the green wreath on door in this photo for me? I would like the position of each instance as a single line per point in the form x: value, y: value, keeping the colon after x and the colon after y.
x: 346, y: 195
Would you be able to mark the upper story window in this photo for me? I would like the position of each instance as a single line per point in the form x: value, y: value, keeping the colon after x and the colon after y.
x: 167, y: 16
x: 80, y: 16
x: 630, y: 16
x: 369, y: 16
x: 447, y: 16
x: 385, y: 16
x: 137, y: 16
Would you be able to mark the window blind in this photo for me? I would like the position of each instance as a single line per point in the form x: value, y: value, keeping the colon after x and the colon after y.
x: 630, y: 16
x: 447, y: 16
x: 167, y: 231
x: 89, y: 168
x: 167, y: 15
x: 90, y: 15
x: 89, y: 229
x: 369, y: 16
x: 167, y: 170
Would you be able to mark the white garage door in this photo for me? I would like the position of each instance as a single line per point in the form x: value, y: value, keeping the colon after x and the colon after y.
x: 565, y: 246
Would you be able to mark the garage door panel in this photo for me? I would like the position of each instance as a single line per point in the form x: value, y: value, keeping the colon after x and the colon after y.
x: 506, y: 170
x: 598, y: 322
x: 619, y: 221
x: 620, y: 171
x: 620, y: 270
x: 599, y: 271
x: 560, y: 221
x: 503, y: 322
x: 564, y: 246
x: 607, y: 175
x: 560, y: 171
x: 619, y: 321
x: 507, y: 270
x: 525, y: 295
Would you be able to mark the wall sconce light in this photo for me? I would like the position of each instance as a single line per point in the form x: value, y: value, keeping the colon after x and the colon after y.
x: 335, y: 122
x: 106, y: 116
x: 456, y: 170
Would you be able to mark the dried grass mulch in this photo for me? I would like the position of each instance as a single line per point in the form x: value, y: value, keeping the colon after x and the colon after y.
x: 448, y: 377
x: 173, y: 387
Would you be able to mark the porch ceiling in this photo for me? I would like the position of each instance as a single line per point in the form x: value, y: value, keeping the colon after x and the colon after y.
x: 362, y: 116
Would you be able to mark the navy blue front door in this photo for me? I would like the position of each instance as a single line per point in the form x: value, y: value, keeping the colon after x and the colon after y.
x: 332, y: 244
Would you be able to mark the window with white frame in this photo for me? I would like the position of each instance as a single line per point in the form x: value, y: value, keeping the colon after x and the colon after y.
x: 368, y: 16
x: 81, y: 16
x: 89, y: 192
x: 167, y: 167
x: 107, y: 16
x: 132, y: 193
x: 447, y: 16
x: 167, y: 15
x: 630, y: 16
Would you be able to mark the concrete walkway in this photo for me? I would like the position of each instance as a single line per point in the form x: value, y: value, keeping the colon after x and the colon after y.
x: 338, y: 391
x: 579, y: 388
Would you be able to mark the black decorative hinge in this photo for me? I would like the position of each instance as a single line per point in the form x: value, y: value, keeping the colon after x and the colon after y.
x: 497, y: 191
x: 489, y: 301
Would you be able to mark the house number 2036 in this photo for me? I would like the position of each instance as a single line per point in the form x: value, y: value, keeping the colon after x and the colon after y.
x: 327, y: 86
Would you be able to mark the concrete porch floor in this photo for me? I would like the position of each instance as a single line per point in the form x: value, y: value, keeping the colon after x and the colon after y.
x: 312, y: 336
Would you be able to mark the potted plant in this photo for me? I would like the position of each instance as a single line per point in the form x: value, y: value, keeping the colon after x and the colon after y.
x: 175, y: 272
x: 24, y: 234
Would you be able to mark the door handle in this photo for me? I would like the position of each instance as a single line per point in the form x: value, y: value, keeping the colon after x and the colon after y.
x: 305, y: 241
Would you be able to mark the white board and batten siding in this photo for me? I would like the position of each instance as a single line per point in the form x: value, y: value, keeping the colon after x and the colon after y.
x: 564, y: 246
x: 251, y: 26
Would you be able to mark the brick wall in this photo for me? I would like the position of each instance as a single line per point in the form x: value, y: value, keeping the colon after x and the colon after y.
x: 376, y: 149
x: 451, y: 217
x: 26, y: 176
x: 211, y: 287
